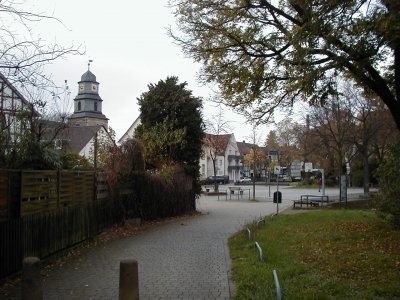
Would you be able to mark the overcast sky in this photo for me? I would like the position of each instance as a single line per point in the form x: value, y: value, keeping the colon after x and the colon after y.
x: 128, y: 44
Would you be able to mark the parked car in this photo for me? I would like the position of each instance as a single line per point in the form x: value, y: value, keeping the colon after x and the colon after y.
x: 285, y: 178
x: 219, y: 179
x: 244, y: 179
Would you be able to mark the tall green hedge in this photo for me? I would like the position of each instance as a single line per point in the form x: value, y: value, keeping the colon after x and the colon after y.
x: 152, y: 196
x: 388, y: 174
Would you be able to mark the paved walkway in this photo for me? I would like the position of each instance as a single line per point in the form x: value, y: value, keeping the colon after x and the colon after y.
x: 181, y: 260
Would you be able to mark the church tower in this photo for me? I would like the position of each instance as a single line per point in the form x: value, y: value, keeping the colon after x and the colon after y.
x: 88, y: 104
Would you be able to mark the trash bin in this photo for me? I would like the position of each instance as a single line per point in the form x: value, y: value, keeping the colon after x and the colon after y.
x: 277, y: 197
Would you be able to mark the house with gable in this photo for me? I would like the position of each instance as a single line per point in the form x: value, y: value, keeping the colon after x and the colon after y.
x: 84, y: 129
x: 223, y: 149
x: 15, y: 110
x: 130, y: 133
x: 262, y: 157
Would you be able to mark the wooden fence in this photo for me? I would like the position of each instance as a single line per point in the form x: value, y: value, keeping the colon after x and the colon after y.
x: 10, y: 194
x: 30, y: 191
x: 44, y: 212
x: 43, y: 234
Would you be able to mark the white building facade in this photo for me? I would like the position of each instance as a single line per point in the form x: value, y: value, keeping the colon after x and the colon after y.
x: 227, y: 162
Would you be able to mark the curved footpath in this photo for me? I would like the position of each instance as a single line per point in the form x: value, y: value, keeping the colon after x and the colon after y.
x: 187, y: 259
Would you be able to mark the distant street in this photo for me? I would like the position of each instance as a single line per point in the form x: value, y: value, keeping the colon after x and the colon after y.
x: 289, y: 193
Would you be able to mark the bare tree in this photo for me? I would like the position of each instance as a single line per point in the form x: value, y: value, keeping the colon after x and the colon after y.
x: 256, y: 158
x: 23, y: 58
x: 332, y: 127
x: 372, y: 124
x: 23, y: 53
x: 288, y: 141
x: 215, y: 138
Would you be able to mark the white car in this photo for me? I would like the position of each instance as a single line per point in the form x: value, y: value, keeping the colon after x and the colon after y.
x: 244, y: 179
x: 286, y: 178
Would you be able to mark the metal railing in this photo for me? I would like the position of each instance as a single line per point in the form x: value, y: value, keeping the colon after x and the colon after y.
x: 248, y: 233
x: 277, y: 285
x: 260, y: 252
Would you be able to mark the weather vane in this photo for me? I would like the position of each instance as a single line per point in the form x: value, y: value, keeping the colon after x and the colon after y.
x: 88, y: 65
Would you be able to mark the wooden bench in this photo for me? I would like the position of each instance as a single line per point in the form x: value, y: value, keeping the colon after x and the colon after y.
x: 311, y: 200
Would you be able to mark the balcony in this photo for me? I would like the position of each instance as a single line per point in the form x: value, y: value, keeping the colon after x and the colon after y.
x: 234, y: 157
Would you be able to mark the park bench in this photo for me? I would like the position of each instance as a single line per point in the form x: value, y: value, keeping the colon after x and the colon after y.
x: 207, y: 189
x: 239, y: 191
x: 311, y: 200
x: 222, y: 193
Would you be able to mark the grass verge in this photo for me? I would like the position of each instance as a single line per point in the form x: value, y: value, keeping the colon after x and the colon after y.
x: 327, y: 254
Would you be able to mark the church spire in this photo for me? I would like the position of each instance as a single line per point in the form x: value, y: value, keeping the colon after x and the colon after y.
x: 88, y: 103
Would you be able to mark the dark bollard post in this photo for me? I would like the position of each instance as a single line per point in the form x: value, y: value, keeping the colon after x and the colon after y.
x: 31, y: 279
x: 128, y: 280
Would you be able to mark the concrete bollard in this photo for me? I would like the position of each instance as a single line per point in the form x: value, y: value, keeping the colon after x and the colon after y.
x: 31, y: 279
x: 128, y: 280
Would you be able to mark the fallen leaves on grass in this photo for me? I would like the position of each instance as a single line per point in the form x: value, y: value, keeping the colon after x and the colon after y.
x: 347, y: 248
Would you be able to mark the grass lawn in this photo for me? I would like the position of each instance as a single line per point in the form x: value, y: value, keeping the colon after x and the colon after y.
x: 326, y: 254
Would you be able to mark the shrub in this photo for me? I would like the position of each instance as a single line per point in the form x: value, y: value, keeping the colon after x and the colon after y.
x: 388, y: 174
x: 154, y: 196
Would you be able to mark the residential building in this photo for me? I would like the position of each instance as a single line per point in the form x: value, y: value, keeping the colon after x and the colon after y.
x: 130, y: 133
x: 223, y: 149
x: 16, y: 113
x: 257, y: 165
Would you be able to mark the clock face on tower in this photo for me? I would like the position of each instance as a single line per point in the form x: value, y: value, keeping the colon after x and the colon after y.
x: 94, y: 87
x: 81, y: 87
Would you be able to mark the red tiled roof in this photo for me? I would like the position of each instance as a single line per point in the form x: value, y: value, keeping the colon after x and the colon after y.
x: 245, y: 148
x: 221, y: 140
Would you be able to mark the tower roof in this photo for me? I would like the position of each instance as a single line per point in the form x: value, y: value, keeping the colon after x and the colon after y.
x: 88, y: 77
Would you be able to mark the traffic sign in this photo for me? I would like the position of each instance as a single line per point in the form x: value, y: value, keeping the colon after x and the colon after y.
x: 277, y: 170
x: 308, y: 167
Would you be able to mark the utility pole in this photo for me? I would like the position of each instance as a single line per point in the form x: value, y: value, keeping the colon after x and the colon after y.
x: 96, y: 146
x: 254, y: 173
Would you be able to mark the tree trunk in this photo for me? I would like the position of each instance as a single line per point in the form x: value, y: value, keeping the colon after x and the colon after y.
x: 215, y: 176
x: 366, y: 172
x: 254, y: 181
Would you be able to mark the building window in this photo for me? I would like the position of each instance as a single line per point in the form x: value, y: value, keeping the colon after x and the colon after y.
x: 95, y: 106
x: 79, y: 105
x: 203, y: 169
